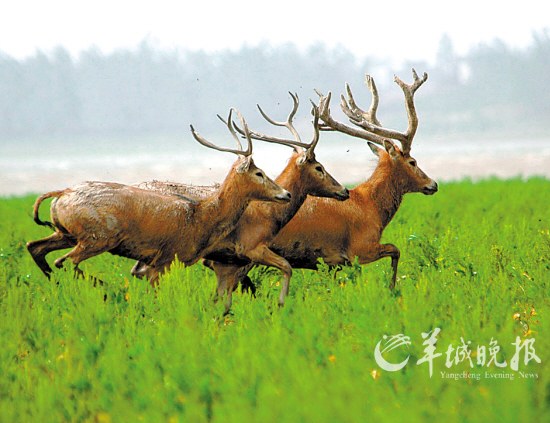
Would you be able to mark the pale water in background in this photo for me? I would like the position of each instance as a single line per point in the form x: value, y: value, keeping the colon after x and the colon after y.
x: 26, y: 167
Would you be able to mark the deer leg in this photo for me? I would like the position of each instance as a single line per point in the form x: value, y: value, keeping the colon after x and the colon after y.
x: 152, y: 274
x: 246, y: 283
x: 208, y: 263
x: 390, y: 250
x: 248, y: 286
x: 80, y: 253
x: 263, y: 255
x: 139, y: 270
x: 394, y: 253
x: 374, y: 252
x: 227, y: 276
x: 40, y: 248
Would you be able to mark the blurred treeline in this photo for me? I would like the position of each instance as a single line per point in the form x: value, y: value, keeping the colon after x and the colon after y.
x: 492, y: 90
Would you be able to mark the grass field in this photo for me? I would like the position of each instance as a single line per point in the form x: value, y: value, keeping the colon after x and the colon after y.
x: 475, y: 263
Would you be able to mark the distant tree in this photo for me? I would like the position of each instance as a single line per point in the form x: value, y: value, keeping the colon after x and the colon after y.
x: 11, y: 95
x: 447, y: 62
x: 144, y: 90
x: 534, y: 76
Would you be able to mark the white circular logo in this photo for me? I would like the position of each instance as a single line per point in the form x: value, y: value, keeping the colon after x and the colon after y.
x: 391, y: 343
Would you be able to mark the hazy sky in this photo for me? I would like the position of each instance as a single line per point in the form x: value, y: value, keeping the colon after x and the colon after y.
x: 393, y: 29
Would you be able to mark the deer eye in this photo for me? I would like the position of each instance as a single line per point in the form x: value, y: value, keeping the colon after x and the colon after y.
x: 318, y: 168
x: 412, y: 163
x: 259, y: 174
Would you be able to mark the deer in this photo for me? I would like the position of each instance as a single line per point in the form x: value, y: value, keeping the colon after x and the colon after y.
x: 303, y: 176
x: 340, y: 232
x: 152, y: 227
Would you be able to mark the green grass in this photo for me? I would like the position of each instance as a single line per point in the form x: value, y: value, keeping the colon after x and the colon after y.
x: 472, y: 257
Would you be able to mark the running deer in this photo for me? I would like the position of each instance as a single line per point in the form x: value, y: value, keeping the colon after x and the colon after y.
x: 339, y: 232
x: 259, y: 224
x: 149, y: 226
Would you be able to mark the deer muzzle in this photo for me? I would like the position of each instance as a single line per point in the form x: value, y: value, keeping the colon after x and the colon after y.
x: 342, y: 195
x: 283, y: 197
x: 430, y: 189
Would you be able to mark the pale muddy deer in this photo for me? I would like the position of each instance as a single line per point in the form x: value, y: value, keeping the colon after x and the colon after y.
x: 259, y: 224
x: 144, y: 225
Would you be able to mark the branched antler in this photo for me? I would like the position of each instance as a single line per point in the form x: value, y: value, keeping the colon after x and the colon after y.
x: 408, y: 91
x: 297, y: 142
x: 371, y: 128
x: 230, y: 125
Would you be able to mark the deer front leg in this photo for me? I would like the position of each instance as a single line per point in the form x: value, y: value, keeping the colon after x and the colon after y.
x: 139, y: 270
x: 263, y: 255
x: 247, y: 285
x: 228, y: 276
x: 373, y: 252
x: 390, y: 250
x: 152, y: 273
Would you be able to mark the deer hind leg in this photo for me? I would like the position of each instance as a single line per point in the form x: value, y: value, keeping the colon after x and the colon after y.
x: 40, y: 248
x: 79, y: 253
x: 374, y: 252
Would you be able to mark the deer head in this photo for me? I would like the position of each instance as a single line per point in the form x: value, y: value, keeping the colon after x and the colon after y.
x: 404, y: 170
x: 245, y: 176
x: 403, y: 167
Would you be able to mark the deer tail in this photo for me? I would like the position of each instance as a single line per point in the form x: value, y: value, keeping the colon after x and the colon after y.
x: 37, y: 206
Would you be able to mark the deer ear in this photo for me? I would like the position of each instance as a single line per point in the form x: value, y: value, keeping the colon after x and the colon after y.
x: 391, y: 149
x: 244, y: 165
x: 374, y: 148
x: 304, y: 157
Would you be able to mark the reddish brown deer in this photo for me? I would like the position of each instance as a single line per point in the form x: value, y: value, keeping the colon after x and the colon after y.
x: 259, y: 224
x: 339, y: 232
x: 97, y: 217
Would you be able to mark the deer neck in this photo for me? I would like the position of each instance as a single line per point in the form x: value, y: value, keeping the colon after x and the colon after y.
x: 291, y: 180
x: 385, y: 192
x: 273, y: 216
x: 223, y: 210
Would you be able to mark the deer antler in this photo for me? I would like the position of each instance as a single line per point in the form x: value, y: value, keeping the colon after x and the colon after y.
x: 297, y: 142
x: 330, y: 124
x: 230, y: 125
x: 408, y: 91
x: 371, y: 128
x: 288, y: 124
x: 351, y: 109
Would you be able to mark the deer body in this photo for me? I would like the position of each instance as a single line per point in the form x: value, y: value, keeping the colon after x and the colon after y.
x: 340, y: 232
